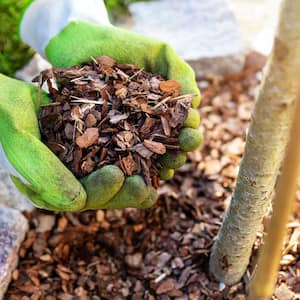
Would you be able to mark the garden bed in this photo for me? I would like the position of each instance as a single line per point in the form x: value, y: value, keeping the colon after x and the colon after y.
x: 161, y: 252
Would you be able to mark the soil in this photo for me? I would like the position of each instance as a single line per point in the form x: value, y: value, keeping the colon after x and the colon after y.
x: 162, y: 252
x: 107, y: 113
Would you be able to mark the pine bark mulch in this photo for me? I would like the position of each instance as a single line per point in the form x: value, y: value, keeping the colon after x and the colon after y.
x: 162, y: 252
x: 104, y: 113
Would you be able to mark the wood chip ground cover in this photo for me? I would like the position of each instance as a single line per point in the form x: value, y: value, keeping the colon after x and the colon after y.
x: 107, y: 113
x: 162, y: 252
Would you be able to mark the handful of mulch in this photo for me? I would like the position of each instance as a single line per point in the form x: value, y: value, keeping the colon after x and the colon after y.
x: 107, y: 113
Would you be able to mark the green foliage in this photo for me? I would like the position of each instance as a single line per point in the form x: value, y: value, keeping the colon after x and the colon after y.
x: 118, y: 8
x: 13, y: 53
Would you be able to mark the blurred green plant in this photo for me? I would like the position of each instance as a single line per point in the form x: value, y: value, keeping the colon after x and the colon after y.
x: 119, y: 8
x: 13, y: 53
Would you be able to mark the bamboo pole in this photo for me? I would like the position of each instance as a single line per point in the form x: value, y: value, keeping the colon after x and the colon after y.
x: 264, y: 280
x: 266, y: 141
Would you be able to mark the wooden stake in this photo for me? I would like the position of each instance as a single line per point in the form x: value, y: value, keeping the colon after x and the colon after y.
x: 262, y: 286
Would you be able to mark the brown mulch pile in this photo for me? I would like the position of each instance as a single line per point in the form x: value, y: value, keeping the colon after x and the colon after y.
x: 162, y: 252
x: 104, y: 113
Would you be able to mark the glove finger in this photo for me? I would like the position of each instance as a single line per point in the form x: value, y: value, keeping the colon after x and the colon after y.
x: 166, y: 174
x: 151, y: 199
x: 102, y: 185
x: 173, y: 159
x: 189, y: 139
x: 50, y: 180
x: 179, y: 70
x: 193, y: 119
x: 134, y: 193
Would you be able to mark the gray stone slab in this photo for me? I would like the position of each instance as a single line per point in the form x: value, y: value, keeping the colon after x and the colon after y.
x: 10, y: 196
x: 205, y: 33
x: 13, y: 227
x: 258, y: 28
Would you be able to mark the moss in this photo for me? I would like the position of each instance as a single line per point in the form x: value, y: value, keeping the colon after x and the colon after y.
x: 13, y: 53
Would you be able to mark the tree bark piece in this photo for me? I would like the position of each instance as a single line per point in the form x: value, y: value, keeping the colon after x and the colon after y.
x: 266, y: 141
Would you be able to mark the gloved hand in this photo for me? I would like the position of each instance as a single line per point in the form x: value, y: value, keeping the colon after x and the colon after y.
x: 40, y: 175
x: 67, y: 43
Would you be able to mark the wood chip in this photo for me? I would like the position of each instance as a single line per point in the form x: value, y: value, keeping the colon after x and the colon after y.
x: 88, y: 138
x: 155, y: 147
x: 169, y: 86
x: 166, y: 286
x: 129, y: 164
x: 143, y: 151
x: 90, y: 121
x: 106, y: 60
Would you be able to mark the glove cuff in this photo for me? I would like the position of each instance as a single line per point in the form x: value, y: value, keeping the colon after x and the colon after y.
x: 44, y: 19
x: 7, y: 166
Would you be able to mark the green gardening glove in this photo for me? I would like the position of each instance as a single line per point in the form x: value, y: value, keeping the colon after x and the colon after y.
x: 73, y: 44
x: 40, y: 175
x: 128, y: 47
